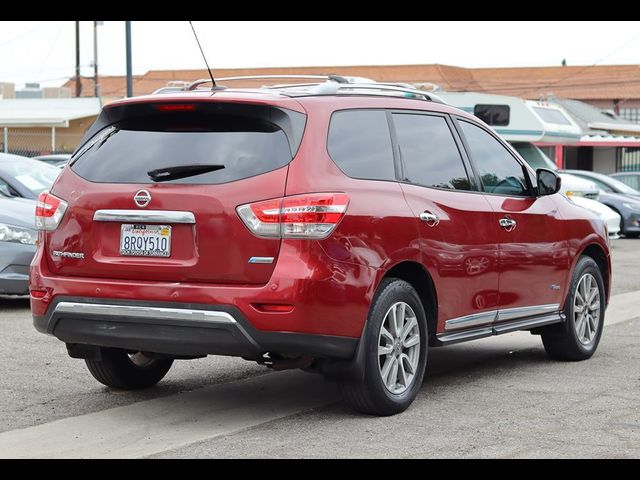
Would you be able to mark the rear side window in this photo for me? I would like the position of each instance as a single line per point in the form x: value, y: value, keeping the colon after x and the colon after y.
x: 500, y: 172
x: 235, y: 145
x: 360, y: 144
x: 429, y: 153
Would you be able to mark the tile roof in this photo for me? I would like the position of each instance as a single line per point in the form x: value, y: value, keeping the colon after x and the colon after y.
x: 579, y: 82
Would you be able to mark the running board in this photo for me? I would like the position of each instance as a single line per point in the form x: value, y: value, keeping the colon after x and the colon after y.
x: 449, y: 338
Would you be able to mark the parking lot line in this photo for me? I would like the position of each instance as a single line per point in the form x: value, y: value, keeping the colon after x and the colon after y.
x: 164, y: 423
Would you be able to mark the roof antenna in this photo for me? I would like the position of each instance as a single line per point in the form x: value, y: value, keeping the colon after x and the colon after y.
x: 205, y: 58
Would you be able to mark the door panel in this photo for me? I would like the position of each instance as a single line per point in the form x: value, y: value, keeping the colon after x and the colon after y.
x: 534, y: 259
x: 460, y: 253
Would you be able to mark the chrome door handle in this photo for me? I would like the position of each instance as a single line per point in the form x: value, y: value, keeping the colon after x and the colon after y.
x: 429, y: 218
x: 508, y: 223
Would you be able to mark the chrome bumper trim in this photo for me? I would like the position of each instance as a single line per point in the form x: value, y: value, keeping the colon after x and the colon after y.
x: 151, y: 313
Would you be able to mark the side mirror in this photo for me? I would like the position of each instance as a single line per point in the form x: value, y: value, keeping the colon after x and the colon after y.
x: 549, y: 182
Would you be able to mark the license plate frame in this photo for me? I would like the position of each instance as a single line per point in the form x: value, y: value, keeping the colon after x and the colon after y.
x: 145, y: 240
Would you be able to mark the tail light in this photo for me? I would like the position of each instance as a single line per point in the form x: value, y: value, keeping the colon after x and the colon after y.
x: 313, y: 215
x: 49, y: 211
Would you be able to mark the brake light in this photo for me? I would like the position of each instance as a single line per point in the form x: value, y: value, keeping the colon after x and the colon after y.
x: 313, y: 215
x: 49, y: 211
x: 176, y: 107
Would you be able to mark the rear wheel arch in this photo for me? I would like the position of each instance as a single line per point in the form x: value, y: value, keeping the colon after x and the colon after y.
x: 418, y: 277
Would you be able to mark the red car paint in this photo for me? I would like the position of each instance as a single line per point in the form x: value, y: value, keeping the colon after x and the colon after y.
x: 474, y: 264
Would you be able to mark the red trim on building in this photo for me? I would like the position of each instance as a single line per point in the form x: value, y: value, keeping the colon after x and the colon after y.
x: 559, y: 156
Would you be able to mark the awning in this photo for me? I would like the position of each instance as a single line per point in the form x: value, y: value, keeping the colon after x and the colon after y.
x: 46, y: 112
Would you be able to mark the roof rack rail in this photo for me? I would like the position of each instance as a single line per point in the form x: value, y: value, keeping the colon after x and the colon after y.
x: 332, y: 85
x: 333, y: 78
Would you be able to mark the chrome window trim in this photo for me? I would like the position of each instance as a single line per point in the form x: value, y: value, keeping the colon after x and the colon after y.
x: 157, y: 314
x: 154, y: 216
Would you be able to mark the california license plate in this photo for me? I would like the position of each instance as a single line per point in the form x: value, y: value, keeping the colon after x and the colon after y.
x: 145, y: 240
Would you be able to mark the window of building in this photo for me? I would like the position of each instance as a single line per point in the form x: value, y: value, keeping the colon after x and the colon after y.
x: 495, y: 115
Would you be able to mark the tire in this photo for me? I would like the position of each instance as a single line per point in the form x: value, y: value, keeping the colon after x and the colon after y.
x: 117, y: 369
x: 632, y: 234
x: 570, y: 342
x: 370, y: 395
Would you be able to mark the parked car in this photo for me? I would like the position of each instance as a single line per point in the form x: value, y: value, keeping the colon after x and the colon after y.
x: 18, y: 237
x: 25, y: 177
x: 340, y: 228
x: 612, y: 219
x: 618, y: 196
x: 56, y: 159
x: 631, y: 179
x: 573, y: 186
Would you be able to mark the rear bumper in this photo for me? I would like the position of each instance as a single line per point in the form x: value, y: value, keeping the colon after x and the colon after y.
x: 177, y: 329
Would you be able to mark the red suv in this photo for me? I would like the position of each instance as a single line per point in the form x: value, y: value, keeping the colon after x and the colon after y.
x: 338, y: 227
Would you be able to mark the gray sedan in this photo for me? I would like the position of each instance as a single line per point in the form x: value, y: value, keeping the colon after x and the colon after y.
x: 617, y: 196
x: 18, y: 237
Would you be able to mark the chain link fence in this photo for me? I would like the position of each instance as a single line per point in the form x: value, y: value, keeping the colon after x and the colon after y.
x: 30, y: 142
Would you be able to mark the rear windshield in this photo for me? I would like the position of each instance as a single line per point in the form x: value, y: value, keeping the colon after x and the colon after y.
x: 239, y: 146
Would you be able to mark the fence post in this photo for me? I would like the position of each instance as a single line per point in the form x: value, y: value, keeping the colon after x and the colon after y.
x: 6, y: 140
x: 53, y: 139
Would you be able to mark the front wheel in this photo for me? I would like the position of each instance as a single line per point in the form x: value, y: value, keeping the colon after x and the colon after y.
x: 584, y: 311
x: 119, y: 369
x: 395, y: 352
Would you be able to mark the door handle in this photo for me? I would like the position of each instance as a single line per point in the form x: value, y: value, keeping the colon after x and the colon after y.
x: 429, y: 218
x: 507, y: 223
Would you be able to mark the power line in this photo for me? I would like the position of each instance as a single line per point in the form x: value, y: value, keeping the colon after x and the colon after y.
x: 24, y: 34
x: 53, y: 45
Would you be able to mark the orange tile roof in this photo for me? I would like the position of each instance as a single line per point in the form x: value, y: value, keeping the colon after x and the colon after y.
x: 577, y: 82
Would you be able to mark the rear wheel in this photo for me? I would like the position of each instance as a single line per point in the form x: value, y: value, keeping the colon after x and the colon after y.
x: 395, y: 352
x: 119, y: 369
x: 584, y: 311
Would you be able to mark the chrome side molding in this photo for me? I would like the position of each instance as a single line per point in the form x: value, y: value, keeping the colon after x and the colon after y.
x: 448, y: 338
x: 471, y: 320
x: 501, y: 315
x: 144, y: 216
x: 521, y: 312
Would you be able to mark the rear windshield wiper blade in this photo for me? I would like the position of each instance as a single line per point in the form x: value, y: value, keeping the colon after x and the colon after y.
x: 182, y: 171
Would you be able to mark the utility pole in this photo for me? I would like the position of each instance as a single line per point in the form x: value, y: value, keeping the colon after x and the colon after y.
x: 78, y: 81
x: 127, y: 26
x: 95, y: 58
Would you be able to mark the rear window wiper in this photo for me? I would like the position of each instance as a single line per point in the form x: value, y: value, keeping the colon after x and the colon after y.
x: 181, y: 171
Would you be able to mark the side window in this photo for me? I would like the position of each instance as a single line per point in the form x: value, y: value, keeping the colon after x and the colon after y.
x: 600, y: 184
x: 360, y: 144
x: 429, y: 152
x: 7, y: 190
x: 499, y: 171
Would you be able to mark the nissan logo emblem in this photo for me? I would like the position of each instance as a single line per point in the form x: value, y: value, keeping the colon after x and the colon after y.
x: 142, y: 198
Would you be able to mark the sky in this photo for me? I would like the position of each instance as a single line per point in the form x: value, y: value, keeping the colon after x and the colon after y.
x: 44, y: 51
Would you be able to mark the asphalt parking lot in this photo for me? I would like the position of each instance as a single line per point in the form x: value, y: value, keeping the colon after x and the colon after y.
x: 497, y: 397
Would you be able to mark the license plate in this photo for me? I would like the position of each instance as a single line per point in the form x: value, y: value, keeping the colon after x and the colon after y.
x: 145, y: 240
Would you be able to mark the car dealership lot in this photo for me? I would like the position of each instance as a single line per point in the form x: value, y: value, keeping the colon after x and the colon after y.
x: 498, y: 397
